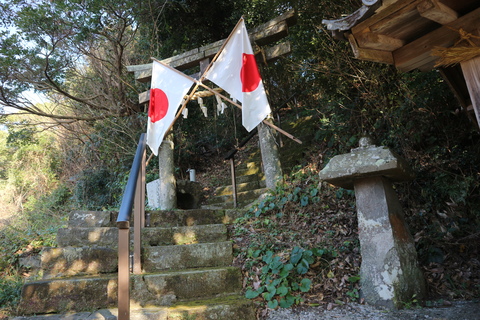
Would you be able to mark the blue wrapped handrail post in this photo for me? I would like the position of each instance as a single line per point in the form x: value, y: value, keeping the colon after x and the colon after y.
x: 133, y: 197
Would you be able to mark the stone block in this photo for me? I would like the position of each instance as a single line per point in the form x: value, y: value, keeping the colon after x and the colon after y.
x: 389, y: 272
x: 198, y: 255
x: 79, y: 237
x: 152, y: 289
x: 342, y: 170
x: 184, y: 235
x: 83, y: 218
x: 70, y: 261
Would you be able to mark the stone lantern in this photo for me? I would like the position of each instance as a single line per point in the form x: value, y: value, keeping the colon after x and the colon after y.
x: 389, y: 273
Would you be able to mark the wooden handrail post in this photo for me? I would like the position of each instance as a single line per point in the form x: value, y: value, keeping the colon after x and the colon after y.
x: 234, y: 181
x: 134, y: 194
x: 124, y: 274
x: 139, y: 217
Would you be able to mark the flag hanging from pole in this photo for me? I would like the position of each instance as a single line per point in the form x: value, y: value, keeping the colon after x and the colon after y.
x: 168, y: 87
x: 236, y: 71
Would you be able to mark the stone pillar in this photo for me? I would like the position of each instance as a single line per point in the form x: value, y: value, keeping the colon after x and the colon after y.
x: 167, y: 187
x: 389, y: 272
x: 270, y: 155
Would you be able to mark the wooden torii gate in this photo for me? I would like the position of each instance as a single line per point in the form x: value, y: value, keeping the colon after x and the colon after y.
x: 262, y: 36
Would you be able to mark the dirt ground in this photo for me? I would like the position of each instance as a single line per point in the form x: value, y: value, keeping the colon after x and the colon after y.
x: 459, y: 310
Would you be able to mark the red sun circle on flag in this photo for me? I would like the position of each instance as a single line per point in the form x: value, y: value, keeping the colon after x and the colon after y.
x: 249, y: 74
x: 158, y: 106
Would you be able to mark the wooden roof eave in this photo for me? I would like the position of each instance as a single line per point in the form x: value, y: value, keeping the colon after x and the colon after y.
x: 385, y: 35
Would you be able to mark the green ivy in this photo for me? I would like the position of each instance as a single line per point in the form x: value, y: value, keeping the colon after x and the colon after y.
x: 282, y: 279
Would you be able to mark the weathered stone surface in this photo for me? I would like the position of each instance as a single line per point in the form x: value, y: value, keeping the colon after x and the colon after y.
x: 68, y: 295
x: 70, y: 261
x: 79, y: 237
x: 151, y: 289
x: 167, y: 191
x: 175, y: 218
x: 270, y: 155
x: 232, y: 307
x: 184, y: 235
x: 389, y: 272
x: 189, y: 194
x: 81, y: 218
x: 198, y: 255
x: 366, y: 161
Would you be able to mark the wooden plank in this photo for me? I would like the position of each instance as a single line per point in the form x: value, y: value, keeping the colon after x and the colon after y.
x: 144, y: 73
x: 212, y: 48
x: 418, y: 52
x: 371, y: 40
x: 290, y: 17
x: 370, y: 54
x: 437, y: 11
x: 381, y: 15
x: 399, y: 23
x: 270, y: 34
x: 144, y: 97
x: 471, y: 72
x: 277, y: 51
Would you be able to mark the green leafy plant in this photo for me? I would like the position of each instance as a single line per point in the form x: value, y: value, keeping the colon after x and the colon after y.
x: 282, y: 278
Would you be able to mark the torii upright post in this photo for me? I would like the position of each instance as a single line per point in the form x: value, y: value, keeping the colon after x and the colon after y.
x: 167, y: 195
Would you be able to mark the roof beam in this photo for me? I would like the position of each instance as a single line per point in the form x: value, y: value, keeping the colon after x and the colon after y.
x: 418, y: 52
x: 372, y: 40
x: 436, y: 11
x: 369, y: 54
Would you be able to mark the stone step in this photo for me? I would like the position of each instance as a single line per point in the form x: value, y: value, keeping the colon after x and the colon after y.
x: 177, y: 218
x: 160, y: 218
x: 84, y: 236
x: 184, y: 235
x: 82, y: 218
x: 148, y: 290
x: 75, y: 261
x: 108, y: 236
x: 241, y: 197
x: 248, y: 171
x: 249, y: 178
x: 200, y: 255
x: 232, y: 307
x: 78, y: 261
x: 225, y: 190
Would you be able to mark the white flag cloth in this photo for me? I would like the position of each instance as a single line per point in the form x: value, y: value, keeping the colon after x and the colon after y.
x: 166, y: 94
x: 236, y: 71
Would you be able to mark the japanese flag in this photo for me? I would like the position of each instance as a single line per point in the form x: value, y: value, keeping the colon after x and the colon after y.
x: 236, y: 71
x: 168, y: 88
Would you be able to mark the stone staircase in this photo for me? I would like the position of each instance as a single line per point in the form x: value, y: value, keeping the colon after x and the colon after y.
x: 250, y: 185
x: 186, y: 261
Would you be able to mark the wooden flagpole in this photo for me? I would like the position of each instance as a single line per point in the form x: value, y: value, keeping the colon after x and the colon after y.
x: 221, y: 49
